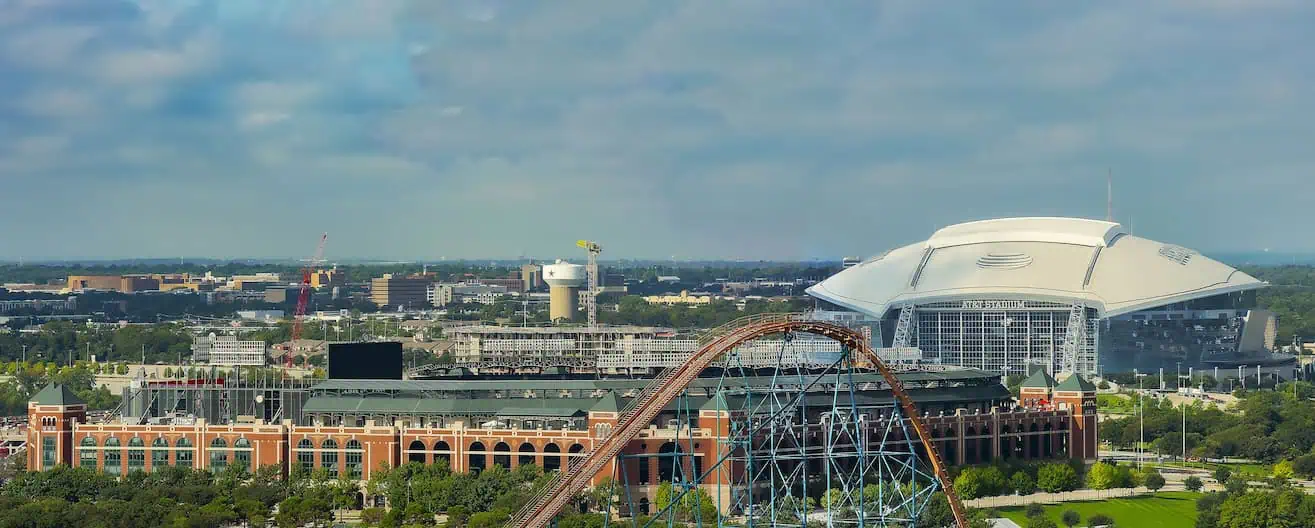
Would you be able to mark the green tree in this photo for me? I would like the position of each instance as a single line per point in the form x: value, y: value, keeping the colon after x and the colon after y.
x: 1250, y: 510
x: 1102, y: 476
x: 1154, y: 481
x: 1054, y: 478
x: 1022, y: 483
x: 1193, y: 484
x: 1283, y: 470
x: 1222, y: 474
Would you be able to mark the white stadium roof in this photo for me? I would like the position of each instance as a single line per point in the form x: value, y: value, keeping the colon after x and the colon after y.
x: 1064, y: 260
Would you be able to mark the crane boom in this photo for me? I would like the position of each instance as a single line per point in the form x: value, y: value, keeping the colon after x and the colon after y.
x: 303, y: 297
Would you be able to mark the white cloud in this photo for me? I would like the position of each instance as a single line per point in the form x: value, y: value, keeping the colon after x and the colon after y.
x: 748, y: 129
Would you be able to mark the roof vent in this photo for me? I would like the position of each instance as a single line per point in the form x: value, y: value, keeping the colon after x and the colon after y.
x: 1177, y: 254
x: 1004, y: 261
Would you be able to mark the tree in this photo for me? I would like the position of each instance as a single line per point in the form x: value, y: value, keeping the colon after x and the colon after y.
x: 1284, y: 470
x: 1193, y: 484
x: 1054, y: 478
x: 1070, y: 518
x: 1249, y: 510
x: 1102, y: 476
x: 969, y: 484
x: 1022, y: 483
x: 1154, y: 481
x: 1221, y: 474
x: 1304, y: 466
x: 1034, y: 510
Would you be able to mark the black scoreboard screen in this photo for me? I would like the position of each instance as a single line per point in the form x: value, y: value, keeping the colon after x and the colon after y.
x: 365, y: 360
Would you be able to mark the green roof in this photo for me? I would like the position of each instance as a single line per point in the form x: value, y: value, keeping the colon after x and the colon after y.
x: 1039, y: 380
x: 609, y: 403
x: 57, y: 394
x: 1075, y: 383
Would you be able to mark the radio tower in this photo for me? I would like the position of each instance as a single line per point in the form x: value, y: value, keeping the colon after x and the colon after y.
x: 303, y: 298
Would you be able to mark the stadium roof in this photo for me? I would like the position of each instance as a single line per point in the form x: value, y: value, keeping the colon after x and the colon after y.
x: 1064, y: 260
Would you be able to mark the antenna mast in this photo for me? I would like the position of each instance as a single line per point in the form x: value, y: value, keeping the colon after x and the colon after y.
x: 1109, y: 195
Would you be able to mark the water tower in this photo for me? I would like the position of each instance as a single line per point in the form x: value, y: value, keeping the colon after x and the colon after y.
x: 564, y: 282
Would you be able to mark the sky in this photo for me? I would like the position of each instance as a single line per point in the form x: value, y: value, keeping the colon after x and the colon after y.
x: 764, y: 129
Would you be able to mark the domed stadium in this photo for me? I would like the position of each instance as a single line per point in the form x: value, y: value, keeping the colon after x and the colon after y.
x: 1071, y: 294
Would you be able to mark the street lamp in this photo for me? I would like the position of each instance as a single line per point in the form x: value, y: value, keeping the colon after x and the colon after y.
x: 1141, y: 417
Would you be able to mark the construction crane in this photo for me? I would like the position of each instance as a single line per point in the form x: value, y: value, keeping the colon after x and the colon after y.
x: 303, y: 298
x: 591, y: 298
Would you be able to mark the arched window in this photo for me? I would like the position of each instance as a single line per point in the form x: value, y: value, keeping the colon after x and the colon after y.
x: 218, y: 455
x: 442, y: 451
x: 552, y: 458
x: 949, y: 448
x: 159, y: 453
x: 575, y: 450
x: 306, y: 455
x: 242, y: 453
x: 87, y: 453
x: 354, y: 456
x: 329, y: 456
x: 476, y: 457
x: 670, y: 467
x: 184, y: 454
x: 113, y: 456
x: 136, y: 454
x: 416, y: 452
x: 526, y: 456
x: 502, y: 455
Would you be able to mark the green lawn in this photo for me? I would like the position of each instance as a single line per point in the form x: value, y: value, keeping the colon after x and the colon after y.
x: 1170, y: 509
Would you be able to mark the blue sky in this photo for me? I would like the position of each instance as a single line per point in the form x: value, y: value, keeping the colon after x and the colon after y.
x: 734, y: 128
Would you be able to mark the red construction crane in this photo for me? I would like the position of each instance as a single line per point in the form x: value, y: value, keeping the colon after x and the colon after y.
x: 303, y: 298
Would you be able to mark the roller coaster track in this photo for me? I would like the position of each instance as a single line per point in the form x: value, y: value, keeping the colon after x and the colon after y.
x: 642, y: 410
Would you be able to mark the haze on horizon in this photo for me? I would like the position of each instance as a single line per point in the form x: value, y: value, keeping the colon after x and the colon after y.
x: 413, y: 129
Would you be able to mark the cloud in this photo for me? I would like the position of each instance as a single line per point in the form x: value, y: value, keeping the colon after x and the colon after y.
x: 484, y: 128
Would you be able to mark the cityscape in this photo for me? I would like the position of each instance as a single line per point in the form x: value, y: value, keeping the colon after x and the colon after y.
x: 771, y: 296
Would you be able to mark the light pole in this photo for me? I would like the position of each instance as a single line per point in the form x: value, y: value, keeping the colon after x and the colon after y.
x: 24, y: 354
x: 1141, y: 418
x: 1184, y: 433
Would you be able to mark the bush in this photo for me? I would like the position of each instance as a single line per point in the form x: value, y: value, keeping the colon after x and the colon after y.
x: 1040, y: 522
x: 1100, y: 519
x: 1070, y: 518
x: 372, y: 516
x: 1193, y: 484
x: 1034, y: 510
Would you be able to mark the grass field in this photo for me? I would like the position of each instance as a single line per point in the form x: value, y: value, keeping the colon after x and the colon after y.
x: 1171, y: 509
x: 1114, y: 404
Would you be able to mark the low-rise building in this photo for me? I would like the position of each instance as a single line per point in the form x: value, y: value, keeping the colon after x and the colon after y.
x: 228, y: 351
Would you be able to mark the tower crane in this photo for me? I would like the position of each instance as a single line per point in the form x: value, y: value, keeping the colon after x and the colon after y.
x: 303, y: 297
x: 591, y: 298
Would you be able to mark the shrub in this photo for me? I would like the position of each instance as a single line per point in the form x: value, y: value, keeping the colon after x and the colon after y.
x: 1034, y: 510
x: 1040, y: 522
x: 1193, y: 484
x: 1100, y: 519
x: 1070, y: 518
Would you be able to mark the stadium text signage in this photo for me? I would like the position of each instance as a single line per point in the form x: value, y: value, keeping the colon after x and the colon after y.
x: 992, y: 305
